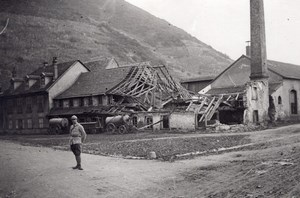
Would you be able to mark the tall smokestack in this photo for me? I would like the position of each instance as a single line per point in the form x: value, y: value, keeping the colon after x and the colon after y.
x: 248, y: 48
x: 258, y: 40
x: 55, y: 74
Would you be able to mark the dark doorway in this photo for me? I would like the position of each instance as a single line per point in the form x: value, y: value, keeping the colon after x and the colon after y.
x: 293, y: 99
x: 255, y: 116
x: 165, y: 122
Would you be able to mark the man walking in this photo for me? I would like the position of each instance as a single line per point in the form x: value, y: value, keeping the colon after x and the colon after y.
x: 78, y: 136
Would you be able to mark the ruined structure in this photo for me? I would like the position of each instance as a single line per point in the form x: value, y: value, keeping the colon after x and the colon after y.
x: 139, y: 90
x: 257, y: 110
x: 251, y: 90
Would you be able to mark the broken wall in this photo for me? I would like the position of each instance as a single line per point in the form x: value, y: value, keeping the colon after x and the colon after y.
x: 256, y: 102
x: 176, y: 120
x: 182, y: 120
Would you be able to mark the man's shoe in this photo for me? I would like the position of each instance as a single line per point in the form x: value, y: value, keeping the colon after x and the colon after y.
x: 80, y: 168
x: 75, y: 167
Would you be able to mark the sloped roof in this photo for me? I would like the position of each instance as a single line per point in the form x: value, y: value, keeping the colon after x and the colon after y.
x: 22, y: 89
x: 237, y: 74
x: 226, y: 90
x: 198, y: 79
x: 98, y: 65
x: 96, y: 83
x: 103, y: 110
x: 286, y: 70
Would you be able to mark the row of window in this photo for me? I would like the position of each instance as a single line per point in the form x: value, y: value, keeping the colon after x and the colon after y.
x: 25, y: 105
x: 81, y: 102
x: 24, y: 124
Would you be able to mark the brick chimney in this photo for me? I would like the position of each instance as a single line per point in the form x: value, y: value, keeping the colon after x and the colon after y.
x: 257, y: 89
x: 248, y: 48
x: 258, y: 40
x: 55, y: 72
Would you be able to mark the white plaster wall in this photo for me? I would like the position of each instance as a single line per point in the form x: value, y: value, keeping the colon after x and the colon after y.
x: 182, y: 120
x: 65, y: 81
x: 284, y: 92
x: 280, y: 108
x: 156, y: 118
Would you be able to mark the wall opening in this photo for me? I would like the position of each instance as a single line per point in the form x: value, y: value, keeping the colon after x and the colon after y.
x: 255, y: 116
x: 149, y: 121
x: 134, y: 121
x: 231, y: 117
x: 293, y: 101
x: 165, y: 122
x: 254, y: 93
x: 279, y: 100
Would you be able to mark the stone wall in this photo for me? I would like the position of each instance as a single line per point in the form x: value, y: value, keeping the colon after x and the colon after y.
x: 257, y: 102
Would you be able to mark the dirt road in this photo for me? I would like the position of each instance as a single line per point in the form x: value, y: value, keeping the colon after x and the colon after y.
x: 270, y: 168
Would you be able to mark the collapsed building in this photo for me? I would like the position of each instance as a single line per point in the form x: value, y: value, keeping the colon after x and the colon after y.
x: 147, y: 93
x: 236, y: 95
x: 94, y: 91
x: 252, y: 89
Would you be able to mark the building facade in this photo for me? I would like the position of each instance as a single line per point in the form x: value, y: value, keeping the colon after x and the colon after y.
x: 27, y: 103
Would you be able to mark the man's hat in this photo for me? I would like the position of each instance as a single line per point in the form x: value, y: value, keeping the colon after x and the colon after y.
x: 74, y: 117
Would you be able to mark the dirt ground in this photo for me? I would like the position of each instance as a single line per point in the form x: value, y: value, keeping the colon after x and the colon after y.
x: 269, y: 167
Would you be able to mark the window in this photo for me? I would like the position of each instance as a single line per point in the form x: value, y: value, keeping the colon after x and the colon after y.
x: 23, y: 124
x: 61, y: 104
x: 255, y: 116
x: 71, y: 104
x: 165, y: 122
x: 134, y: 121
x: 86, y: 102
x: 76, y: 102
x: 66, y: 103
x: 254, y: 93
x: 110, y: 100
x: 19, y: 106
x: 56, y: 104
x: 28, y: 105
x: 279, y: 100
x: 293, y: 101
x: 81, y: 102
x: 10, y: 124
x: 90, y: 103
x: 100, y: 100
x: 40, y: 103
x: 19, y: 124
x: 149, y: 120
x: 29, y: 123
x: 41, y: 123
x: 10, y: 107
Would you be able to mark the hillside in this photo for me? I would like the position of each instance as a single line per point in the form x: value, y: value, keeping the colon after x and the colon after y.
x: 89, y: 29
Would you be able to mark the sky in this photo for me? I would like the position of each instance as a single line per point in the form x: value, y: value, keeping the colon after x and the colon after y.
x: 225, y: 24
